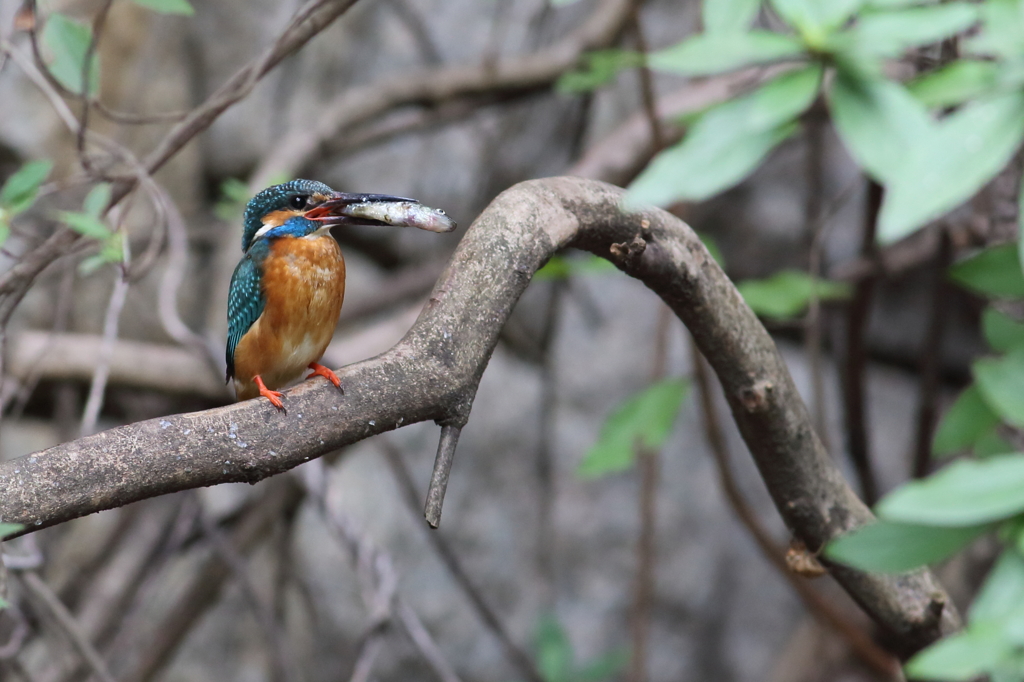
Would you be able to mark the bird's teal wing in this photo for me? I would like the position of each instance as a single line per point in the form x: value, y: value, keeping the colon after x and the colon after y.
x: 245, y: 305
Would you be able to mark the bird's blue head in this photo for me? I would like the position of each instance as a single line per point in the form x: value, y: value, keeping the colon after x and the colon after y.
x: 301, y: 208
x: 282, y: 204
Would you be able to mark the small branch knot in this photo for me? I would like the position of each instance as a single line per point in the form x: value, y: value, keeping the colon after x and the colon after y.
x: 628, y: 252
x: 803, y: 561
x: 755, y: 398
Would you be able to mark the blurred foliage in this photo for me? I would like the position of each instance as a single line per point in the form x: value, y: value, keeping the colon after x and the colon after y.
x: 929, y: 159
x: 644, y: 420
x: 932, y: 143
x: 167, y: 6
x: 994, y: 272
x: 89, y: 223
x: 5, y: 530
x: 564, y: 267
x: 600, y: 68
x: 67, y: 42
x: 556, y: 659
x: 234, y: 195
x: 19, y: 193
x: 787, y: 293
x: 928, y: 520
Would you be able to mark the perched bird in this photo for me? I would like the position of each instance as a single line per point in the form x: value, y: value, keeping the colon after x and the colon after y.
x: 287, y: 290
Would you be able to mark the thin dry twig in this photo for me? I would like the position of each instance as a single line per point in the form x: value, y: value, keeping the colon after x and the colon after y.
x: 379, y: 583
x: 38, y: 589
x: 281, y: 660
x: 450, y: 559
x: 648, y: 463
x: 94, y: 403
x: 86, y: 80
x: 647, y: 458
x: 421, y: 639
x: 532, y: 71
x: 818, y: 231
x: 931, y: 361
x: 878, y: 659
x: 544, y: 461
x: 203, y: 586
x: 854, y: 369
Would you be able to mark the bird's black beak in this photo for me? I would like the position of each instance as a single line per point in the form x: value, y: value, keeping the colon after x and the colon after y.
x: 380, y: 209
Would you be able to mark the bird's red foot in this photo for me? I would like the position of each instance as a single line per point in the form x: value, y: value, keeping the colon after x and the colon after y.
x: 320, y: 370
x: 273, y: 396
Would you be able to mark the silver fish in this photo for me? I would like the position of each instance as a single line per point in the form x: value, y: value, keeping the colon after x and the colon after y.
x: 403, y: 213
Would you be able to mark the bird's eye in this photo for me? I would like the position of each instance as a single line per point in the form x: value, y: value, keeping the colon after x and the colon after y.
x: 298, y: 201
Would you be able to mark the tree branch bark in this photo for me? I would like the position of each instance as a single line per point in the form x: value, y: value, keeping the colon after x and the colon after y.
x: 433, y: 373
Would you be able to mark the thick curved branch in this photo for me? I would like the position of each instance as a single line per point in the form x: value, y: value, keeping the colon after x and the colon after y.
x: 434, y: 371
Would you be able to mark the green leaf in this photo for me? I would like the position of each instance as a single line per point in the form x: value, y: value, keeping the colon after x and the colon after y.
x: 991, y: 443
x: 1003, y: 590
x: 892, y: 547
x: 554, y: 651
x: 85, y: 224
x: 1002, y: 332
x: 113, y: 249
x: 712, y: 246
x: 728, y: 15
x: 167, y: 6
x: 675, y: 175
x: 787, y: 293
x: 68, y: 41
x: 5, y: 229
x: 889, y: 34
x: 1000, y: 381
x: 961, y: 656
x: 19, y: 191
x: 10, y: 529
x: 727, y: 142
x: 994, y: 272
x: 949, y: 164
x: 710, y: 53
x: 561, y: 267
x: 601, y: 67
x: 603, y: 667
x: 1002, y: 32
x: 954, y: 83
x: 1020, y: 225
x: 97, y: 199
x: 965, y: 493
x: 643, y: 420
x: 815, y: 19
x: 893, y: 4
x: 966, y: 421
x: 91, y: 264
x: 234, y: 195
x: 877, y: 120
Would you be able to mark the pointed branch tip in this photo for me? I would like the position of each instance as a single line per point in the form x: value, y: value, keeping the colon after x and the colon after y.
x: 439, y: 477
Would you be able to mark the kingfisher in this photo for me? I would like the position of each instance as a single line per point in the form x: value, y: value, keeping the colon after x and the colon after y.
x: 286, y: 292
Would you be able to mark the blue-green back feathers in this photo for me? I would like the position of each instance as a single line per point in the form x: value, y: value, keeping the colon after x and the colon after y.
x: 245, y: 302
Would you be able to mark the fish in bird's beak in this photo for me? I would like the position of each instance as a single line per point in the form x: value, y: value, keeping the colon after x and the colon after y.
x: 380, y: 209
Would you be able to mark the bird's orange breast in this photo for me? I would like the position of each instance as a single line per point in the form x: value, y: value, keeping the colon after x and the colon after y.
x: 303, y: 286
